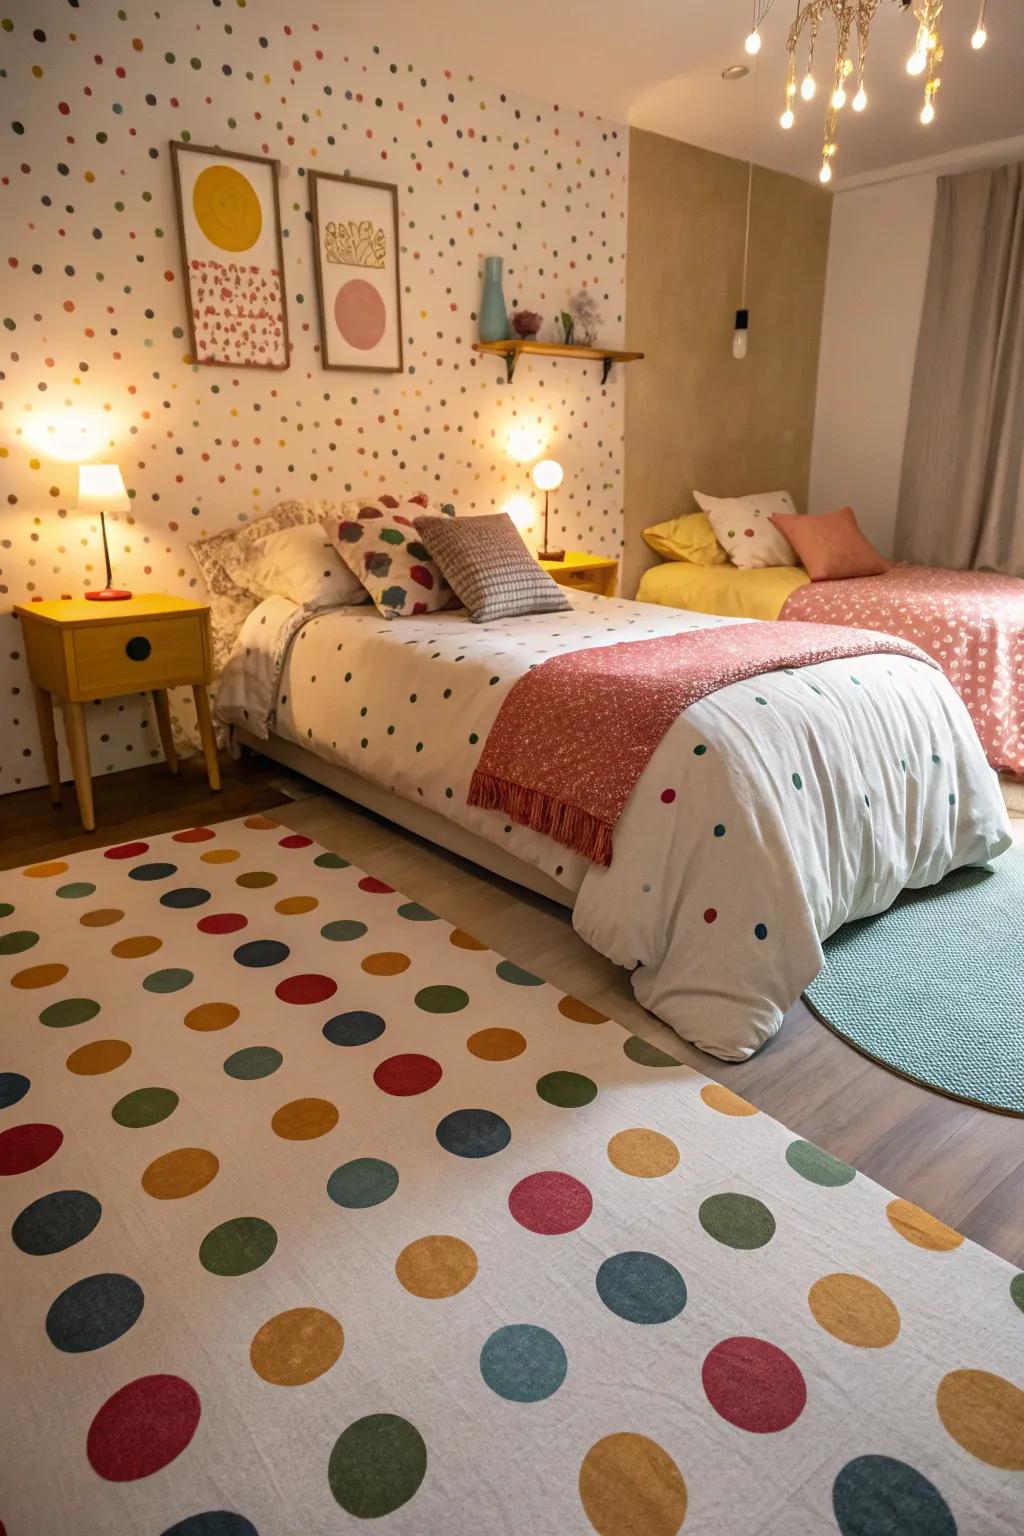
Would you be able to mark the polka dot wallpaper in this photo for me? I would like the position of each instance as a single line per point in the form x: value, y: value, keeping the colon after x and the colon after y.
x: 94, y: 351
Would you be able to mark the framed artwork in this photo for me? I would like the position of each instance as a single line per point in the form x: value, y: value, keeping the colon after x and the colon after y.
x: 229, y: 221
x: 355, y: 234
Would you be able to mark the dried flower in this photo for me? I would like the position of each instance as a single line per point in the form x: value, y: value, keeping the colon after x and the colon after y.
x: 526, y: 323
x: 586, y: 317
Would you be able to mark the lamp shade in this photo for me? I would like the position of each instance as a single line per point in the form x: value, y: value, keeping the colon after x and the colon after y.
x: 547, y: 475
x: 101, y: 486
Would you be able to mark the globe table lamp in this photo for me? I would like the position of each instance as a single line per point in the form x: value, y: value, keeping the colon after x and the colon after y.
x: 547, y: 477
x: 100, y: 486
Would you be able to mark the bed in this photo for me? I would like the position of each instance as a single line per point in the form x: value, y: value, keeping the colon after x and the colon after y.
x: 972, y: 622
x: 772, y: 812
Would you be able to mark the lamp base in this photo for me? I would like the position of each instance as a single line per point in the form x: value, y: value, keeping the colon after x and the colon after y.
x: 107, y: 595
x: 551, y: 554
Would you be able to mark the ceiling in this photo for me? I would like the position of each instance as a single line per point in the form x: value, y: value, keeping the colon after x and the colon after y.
x: 658, y: 64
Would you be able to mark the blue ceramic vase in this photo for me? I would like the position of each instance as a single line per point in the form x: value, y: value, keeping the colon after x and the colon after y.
x: 493, y: 321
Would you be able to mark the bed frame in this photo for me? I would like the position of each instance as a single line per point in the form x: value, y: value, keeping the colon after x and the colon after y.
x: 425, y: 823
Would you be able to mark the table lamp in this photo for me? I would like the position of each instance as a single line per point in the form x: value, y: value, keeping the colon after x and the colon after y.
x: 547, y: 477
x: 100, y: 486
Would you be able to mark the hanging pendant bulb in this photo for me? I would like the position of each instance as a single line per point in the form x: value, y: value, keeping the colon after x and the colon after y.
x: 928, y: 112
x: 860, y: 101
x: 740, y: 334
x: 825, y: 174
x: 839, y: 99
x: 808, y: 87
x: 980, y: 37
x: 787, y: 119
x: 917, y: 63
x: 753, y: 43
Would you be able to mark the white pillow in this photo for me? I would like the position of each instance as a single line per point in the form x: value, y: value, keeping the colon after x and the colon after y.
x: 299, y: 564
x: 743, y: 527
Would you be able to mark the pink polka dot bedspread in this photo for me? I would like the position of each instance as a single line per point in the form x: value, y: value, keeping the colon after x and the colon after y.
x: 971, y: 622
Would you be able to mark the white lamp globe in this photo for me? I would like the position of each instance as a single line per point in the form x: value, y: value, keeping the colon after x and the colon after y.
x: 547, y: 475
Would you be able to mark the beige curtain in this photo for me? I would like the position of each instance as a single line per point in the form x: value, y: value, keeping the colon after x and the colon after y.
x: 962, y: 492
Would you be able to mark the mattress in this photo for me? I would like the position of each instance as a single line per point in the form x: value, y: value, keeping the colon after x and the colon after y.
x: 721, y: 589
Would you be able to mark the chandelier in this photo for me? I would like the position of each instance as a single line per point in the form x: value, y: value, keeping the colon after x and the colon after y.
x: 856, y: 16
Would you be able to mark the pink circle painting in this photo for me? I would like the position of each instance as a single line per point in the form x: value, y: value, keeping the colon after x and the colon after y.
x: 359, y: 314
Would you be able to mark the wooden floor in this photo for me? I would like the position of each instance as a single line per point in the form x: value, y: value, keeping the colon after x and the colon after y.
x: 964, y: 1164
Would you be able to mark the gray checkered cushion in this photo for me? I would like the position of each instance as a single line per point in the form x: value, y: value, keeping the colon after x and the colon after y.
x: 489, y: 568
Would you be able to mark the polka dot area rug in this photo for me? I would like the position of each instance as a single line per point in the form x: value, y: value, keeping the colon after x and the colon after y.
x: 317, y: 1212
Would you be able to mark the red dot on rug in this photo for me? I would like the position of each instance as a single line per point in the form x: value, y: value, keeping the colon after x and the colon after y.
x: 193, y: 835
x: 295, y: 840
x: 407, y: 1074
x: 222, y: 922
x: 710, y: 915
x: 371, y: 883
x: 309, y: 988
x: 667, y: 796
x: 550, y: 1203
x: 142, y: 1427
x: 126, y: 851
x: 754, y: 1385
x: 25, y: 1147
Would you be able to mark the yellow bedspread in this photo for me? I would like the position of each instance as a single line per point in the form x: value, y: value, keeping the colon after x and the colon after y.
x: 721, y: 589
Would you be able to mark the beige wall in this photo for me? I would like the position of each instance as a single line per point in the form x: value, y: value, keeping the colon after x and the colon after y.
x: 694, y: 416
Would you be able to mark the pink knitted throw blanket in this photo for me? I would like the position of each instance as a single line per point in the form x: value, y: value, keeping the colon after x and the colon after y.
x: 574, y: 734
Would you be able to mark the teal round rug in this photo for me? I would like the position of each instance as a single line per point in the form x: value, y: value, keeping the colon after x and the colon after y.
x: 934, y: 988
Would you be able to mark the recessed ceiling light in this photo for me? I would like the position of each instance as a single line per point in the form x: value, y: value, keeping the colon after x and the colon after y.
x: 735, y: 72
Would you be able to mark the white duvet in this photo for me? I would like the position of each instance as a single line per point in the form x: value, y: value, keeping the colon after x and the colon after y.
x: 772, y: 812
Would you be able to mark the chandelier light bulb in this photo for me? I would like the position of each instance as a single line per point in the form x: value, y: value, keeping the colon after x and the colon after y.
x: 808, y: 88
x: 979, y: 39
x: 927, y: 113
x: 825, y: 174
x: 787, y: 119
x: 917, y: 63
x: 839, y: 99
x: 753, y: 43
x: 860, y: 101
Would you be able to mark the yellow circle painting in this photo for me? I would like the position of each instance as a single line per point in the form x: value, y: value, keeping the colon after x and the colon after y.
x: 227, y: 208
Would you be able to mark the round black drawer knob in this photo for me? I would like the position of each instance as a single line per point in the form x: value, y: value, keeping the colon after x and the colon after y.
x: 138, y: 648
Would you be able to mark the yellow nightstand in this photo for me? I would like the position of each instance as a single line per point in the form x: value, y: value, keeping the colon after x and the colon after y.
x: 586, y: 573
x: 77, y: 651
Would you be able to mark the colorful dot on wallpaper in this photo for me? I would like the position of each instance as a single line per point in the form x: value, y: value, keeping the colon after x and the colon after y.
x: 94, y: 359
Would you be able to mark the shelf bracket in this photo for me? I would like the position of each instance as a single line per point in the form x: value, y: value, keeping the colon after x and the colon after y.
x: 510, y: 365
x: 606, y: 368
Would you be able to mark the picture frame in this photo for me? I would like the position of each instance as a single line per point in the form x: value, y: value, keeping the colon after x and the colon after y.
x: 358, y: 278
x: 228, y: 208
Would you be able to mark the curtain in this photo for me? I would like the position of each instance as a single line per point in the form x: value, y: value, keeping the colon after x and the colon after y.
x: 962, y: 491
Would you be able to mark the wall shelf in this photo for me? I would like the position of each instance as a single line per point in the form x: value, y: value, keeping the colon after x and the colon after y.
x: 512, y: 349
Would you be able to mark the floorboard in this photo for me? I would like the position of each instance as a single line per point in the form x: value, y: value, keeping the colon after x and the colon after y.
x: 964, y: 1164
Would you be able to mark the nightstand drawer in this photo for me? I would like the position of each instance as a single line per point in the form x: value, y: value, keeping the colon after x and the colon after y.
x: 581, y: 581
x: 138, y: 654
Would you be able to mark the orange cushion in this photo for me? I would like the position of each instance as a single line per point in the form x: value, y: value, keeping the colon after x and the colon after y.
x: 830, y: 546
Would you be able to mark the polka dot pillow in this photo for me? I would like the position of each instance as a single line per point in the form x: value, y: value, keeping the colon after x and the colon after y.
x: 744, y: 528
x: 381, y: 547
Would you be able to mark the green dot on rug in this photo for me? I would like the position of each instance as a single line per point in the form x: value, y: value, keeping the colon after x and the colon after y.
x: 933, y: 988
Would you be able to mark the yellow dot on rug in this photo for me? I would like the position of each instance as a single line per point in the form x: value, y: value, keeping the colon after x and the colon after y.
x: 297, y: 1346
x: 642, y: 1153
x: 39, y: 976
x: 463, y: 940
x: 854, y: 1310
x: 134, y: 949
x: 180, y: 1173
x: 435, y: 1267
x: 725, y: 1101
x: 220, y: 856
x: 496, y: 1044
x: 260, y: 823
x: 387, y: 963
x: 304, y: 1119
x: 294, y: 906
x: 631, y: 1487
x: 921, y: 1229
x: 580, y: 1012
x: 98, y: 1056
x: 207, y: 1016
x: 985, y: 1415
x: 227, y: 208
x: 45, y: 871
x: 102, y: 917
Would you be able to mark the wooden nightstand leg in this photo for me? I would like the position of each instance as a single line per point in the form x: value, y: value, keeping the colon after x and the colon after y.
x: 209, y: 740
x: 162, y: 710
x: 48, y: 737
x: 78, y: 746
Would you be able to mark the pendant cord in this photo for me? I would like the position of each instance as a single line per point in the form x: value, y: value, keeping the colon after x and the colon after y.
x: 750, y: 185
